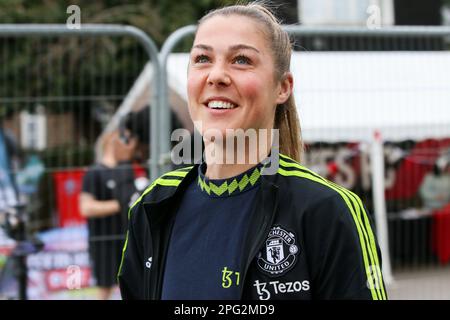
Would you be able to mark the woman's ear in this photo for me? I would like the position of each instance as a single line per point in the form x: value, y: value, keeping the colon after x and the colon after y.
x: 285, y: 88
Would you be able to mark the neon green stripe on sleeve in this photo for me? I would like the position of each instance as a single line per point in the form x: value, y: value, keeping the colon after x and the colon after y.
x: 366, y: 228
x: 347, y: 201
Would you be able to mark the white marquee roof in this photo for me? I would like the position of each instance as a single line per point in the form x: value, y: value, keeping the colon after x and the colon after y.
x: 345, y: 96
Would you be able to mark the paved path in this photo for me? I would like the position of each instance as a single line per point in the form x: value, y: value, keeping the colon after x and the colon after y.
x: 424, y: 284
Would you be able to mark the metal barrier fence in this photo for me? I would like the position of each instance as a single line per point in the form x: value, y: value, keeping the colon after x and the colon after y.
x: 60, y: 90
x: 385, y: 160
x: 364, y: 74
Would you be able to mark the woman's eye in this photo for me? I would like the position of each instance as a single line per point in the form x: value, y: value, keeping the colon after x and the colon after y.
x: 201, y: 59
x: 241, y: 60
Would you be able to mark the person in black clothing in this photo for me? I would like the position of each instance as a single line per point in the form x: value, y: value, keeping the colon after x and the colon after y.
x: 260, y: 226
x: 106, y: 193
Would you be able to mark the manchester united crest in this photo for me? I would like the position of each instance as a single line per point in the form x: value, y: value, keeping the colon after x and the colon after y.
x: 280, y: 252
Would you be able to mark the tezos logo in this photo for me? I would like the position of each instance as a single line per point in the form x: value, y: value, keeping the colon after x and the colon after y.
x: 280, y: 252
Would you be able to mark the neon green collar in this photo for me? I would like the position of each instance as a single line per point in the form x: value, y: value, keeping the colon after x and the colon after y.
x: 230, y: 186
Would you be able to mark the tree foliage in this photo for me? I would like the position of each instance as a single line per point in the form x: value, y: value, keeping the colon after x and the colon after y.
x: 93, y: 66
x: 156, y: 18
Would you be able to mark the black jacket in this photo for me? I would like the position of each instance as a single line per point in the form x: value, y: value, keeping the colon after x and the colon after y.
x: 309, y: 239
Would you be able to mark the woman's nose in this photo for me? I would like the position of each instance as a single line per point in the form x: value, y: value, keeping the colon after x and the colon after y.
x: 218, y: 76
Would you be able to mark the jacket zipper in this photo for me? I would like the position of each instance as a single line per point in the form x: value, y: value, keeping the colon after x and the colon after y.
x: 267, y: 222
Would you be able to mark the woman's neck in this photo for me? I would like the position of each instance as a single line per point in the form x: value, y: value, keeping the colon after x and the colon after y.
x: 224, y: 171
x: 219, y: 167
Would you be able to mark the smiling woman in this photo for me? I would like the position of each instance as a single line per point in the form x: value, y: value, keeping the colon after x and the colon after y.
x: 239, y: 78
x: 230, y: 230
x: 232, y: 84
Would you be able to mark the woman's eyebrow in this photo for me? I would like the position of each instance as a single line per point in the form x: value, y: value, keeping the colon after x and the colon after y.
x: 243, y: 47
x: 203, y: 47
x: 236, y: 47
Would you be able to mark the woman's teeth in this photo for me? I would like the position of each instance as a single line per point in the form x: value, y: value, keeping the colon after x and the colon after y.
x: 221, y: 105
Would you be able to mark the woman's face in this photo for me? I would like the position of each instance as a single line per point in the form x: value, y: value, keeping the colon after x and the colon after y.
x: 231, y: 83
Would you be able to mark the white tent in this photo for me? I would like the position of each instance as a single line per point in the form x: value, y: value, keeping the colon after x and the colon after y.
x: 345, y: 96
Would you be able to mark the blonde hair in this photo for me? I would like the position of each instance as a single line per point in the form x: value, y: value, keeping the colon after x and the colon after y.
x: 286, y: 117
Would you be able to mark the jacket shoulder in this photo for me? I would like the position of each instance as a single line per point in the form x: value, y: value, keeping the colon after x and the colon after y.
x: 163, y: 184
x: 347, y: 229
x: 320, y: 198
x: 308, y: 185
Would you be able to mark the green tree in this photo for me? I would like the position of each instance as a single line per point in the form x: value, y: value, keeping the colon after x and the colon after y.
x: 60, y: 66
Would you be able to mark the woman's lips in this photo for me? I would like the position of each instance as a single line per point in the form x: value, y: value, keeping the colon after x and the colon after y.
x: 220, y: 106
